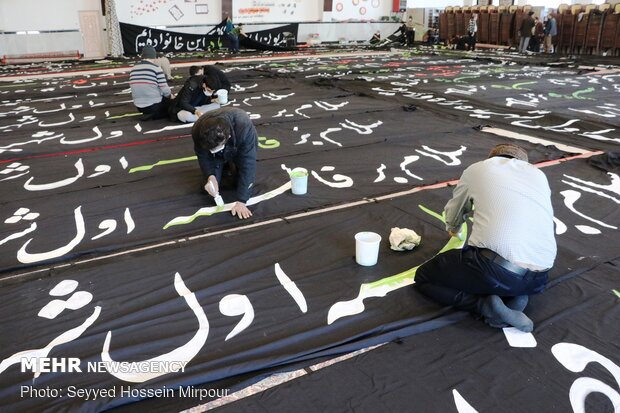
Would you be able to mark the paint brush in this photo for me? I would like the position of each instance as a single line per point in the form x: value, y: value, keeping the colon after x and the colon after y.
x: 218, y: 198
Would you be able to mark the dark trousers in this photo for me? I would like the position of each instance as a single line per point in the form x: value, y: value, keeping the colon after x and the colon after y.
x: 472, y: 41
x: 459, y: 278
x: 157, y: 110
x: 410, y: 37
x: 234, y: 42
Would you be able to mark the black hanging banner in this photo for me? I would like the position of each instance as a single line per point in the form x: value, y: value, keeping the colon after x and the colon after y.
x: 136, y: 37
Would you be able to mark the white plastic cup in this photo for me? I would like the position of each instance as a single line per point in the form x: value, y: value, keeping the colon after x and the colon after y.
x: 367, y: 248
x: 222, y: 96
x: 299, y: 181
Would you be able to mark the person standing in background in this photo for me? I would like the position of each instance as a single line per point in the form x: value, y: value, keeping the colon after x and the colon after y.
x: 162, y: 61
x: 551, y: 30
x: 538, y: 35
x: 472, y: 30
x: 410, y: 31
x: 525, y: 31
x: 233, y: 35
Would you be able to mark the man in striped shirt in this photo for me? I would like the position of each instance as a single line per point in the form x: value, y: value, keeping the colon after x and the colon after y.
x: 149, y: 89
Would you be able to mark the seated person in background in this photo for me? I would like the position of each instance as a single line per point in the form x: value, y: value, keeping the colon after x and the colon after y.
x: 149, y: 90
x: 163, y: 62
x: 216, y: 79
x: 194, y: 99
x: 225, y: 142
x: 460, y: 42
x: 426, y: 36
x: 433, y: 36
x: 195, y: 71
x: 218, y: 82
x: 376, y: 38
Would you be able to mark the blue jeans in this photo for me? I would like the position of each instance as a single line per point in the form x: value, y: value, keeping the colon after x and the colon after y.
x: 460, y: 278
x: 234, y: 42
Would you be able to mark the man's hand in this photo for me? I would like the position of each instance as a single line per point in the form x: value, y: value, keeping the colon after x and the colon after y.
x: 240, y: 210
x: 457, y: 234
x: 211, y: 186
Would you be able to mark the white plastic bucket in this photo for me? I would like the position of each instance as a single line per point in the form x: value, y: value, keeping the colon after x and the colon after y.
x: 222, y: 96
x: 367, y: 248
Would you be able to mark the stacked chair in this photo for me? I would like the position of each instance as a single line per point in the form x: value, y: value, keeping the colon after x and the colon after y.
x: 581, y: 28
x: 610, y: 29
x: 493, y: 25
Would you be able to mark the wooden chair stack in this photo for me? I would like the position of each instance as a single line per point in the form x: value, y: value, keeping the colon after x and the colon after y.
x: 581, y: 28
x: 610, y: 29
x: 483, y: 24
x: 493, y: 25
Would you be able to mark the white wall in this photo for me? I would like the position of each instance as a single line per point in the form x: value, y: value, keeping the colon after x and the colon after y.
x: 361, y: 9
x: 277, y: 11
x: 187, y: 13
x: 350, y: 32
x: 432, y: 4
x: 18, y: 15
x: 42, y: 15
x: 170, y: 13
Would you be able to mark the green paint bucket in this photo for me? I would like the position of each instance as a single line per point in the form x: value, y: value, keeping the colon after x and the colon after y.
x: 299, y: 181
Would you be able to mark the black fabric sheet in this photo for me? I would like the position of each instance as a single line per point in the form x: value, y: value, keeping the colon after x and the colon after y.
x: 315, y: 252
x: 81, y: 176
x: 423, y: 372
x: 243, y: 263
x: 305, y: 121
x: 156, y: 196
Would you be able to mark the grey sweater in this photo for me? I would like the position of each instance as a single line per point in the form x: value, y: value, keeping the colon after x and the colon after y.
x: 148, y: 84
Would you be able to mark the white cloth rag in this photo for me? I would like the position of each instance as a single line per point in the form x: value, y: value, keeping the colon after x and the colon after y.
x: 402, y: 239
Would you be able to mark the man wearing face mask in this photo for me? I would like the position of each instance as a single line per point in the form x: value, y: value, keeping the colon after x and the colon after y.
x: 225, y: 142
x: 194, y: 99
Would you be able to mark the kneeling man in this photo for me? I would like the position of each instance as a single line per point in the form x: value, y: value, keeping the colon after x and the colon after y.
x: 511, y: 247
x: 225, y: 142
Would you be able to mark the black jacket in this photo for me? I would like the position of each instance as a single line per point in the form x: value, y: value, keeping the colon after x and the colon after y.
x: 240, y: 149
x: 216, y: 79
x: 189, y: 97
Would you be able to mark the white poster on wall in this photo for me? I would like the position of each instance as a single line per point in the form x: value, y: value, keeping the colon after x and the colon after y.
x: 361, y: 9
x: 169, y: 12
x: 276, y: 11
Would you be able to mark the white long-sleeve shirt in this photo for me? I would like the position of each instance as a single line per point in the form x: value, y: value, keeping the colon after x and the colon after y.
x: 513, y: 216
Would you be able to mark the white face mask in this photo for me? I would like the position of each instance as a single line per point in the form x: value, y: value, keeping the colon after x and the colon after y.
x: 218, y: 148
